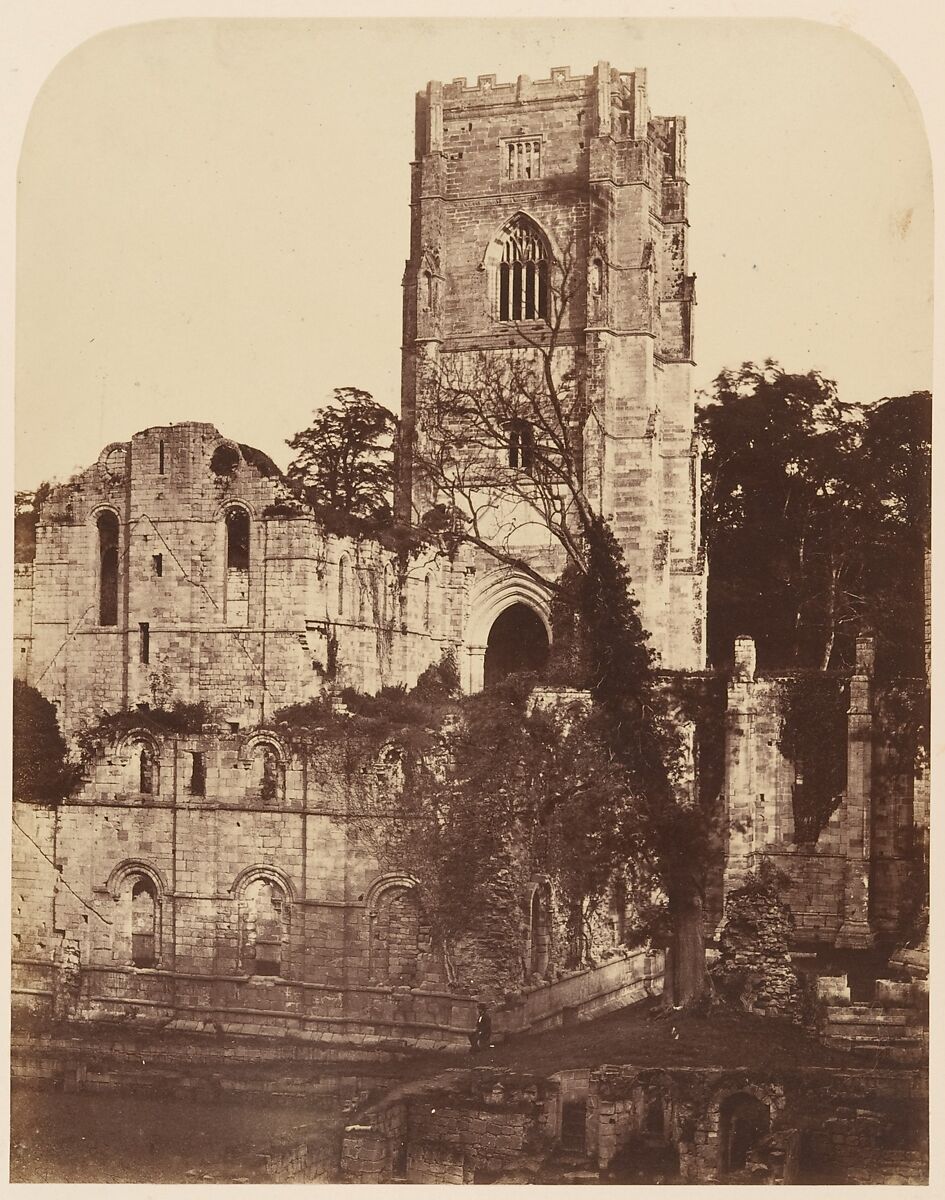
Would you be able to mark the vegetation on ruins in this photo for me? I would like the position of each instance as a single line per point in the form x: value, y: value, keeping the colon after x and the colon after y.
x: 754, y: 969
x: 180, y: 717
x: 26, y: 510
x: 652, y: 828
x: 813, y: 736
x: 816, y: 514
x: 343, y: 460
x: 41, y: 769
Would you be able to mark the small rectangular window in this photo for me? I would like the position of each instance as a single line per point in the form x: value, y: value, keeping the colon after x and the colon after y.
x: 198, y: 775
x: 160, y: 458
x: 144, y: 641
x: 158, y: 561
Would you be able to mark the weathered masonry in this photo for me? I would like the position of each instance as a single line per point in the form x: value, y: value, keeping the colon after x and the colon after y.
x: 214, y: 874
x: 571, y: 174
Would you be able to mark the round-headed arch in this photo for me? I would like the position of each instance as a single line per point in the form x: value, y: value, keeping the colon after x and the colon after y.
x: 392, y: 881
x: 269, y: 874
x: 266, y: 741
x: 135, y: 868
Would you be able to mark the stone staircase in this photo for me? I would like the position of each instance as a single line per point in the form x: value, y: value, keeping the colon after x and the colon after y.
x: 893, y: 1026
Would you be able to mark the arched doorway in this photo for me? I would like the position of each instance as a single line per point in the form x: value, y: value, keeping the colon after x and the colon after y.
x: 517, y: 641
x: 743, y: 1121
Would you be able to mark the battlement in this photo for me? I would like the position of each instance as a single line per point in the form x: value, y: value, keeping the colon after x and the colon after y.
x: 560, y: 84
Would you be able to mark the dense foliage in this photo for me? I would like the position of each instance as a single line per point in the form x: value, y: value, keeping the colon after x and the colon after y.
x: 815, y: 513
x: 813, y: 736
x: 344, y: 459
x: 41, y: 770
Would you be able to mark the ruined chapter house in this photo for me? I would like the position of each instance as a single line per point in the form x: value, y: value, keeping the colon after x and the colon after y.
x: 214, y: 876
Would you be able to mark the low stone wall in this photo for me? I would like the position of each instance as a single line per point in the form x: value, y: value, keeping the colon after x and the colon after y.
x: 174, y: 1063
x: 895, y: 1025
x: 584, y: 994
x: 424, y: 1018
x: 309, y: 1156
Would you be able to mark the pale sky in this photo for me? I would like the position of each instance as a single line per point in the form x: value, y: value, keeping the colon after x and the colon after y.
x: 213, y: 215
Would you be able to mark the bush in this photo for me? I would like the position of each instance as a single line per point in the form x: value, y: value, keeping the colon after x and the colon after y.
x: 41, y: 770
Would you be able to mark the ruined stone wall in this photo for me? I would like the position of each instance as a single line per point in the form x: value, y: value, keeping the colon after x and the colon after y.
x: 817, y: 1126
x: 854, y: 881
x: 303, y: 608
x: 35, y: 882
x: 213, y: 879
x: 460, y: 1130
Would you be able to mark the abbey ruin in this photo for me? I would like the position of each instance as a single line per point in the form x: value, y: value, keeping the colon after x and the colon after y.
x: 213, y: 877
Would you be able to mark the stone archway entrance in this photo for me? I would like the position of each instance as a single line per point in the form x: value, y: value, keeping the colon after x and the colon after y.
x: 518, y: 641
x: 743, y: 1121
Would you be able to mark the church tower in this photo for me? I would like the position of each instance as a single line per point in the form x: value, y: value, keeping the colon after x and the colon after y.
x: 508, y: 179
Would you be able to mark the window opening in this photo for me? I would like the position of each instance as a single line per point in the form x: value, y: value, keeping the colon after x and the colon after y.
x: 108, y: 569
x: 157, y: 561
x: 523, y: 159
x: 265, y: 921
x: 146, y: 772
x: 160, y: 458
x: 521, y: 445
x: 143, y: 923
x: 523, y: 274
x: 237, y: 539
x: 269, y: 785
x: 198, y: 774
x: 144, y: 642
x: 342, y: 585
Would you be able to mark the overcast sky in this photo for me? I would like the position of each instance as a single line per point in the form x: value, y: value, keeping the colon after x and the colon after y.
x: 213, y: 215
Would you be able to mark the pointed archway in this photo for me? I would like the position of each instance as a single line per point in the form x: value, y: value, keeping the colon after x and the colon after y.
x: 518, y: 641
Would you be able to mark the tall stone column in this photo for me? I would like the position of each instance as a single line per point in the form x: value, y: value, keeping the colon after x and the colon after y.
x: 856, y: 812
x: 739, y: 766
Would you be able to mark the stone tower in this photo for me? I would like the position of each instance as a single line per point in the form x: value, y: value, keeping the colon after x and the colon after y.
x: 570, y: 169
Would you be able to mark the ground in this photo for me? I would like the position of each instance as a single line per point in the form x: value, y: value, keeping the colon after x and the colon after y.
x: 633, y: 1035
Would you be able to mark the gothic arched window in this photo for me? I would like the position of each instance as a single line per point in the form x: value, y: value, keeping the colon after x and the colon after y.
x: 107, y: 569
x: 523, y: 272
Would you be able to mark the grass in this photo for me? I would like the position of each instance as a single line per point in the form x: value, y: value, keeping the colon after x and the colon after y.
x: 636, y: 1035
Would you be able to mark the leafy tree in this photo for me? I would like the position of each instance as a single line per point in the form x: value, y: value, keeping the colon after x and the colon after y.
x: 344, y: 458
x: 893, y: 482
x: 26, y: 510
x: 814, y: 512
x: 41, y: 770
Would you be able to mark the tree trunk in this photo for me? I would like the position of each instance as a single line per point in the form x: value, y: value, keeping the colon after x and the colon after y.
x: 684, y: 980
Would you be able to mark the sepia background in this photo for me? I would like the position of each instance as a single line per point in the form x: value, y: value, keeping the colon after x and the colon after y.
x: 213, y: 214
